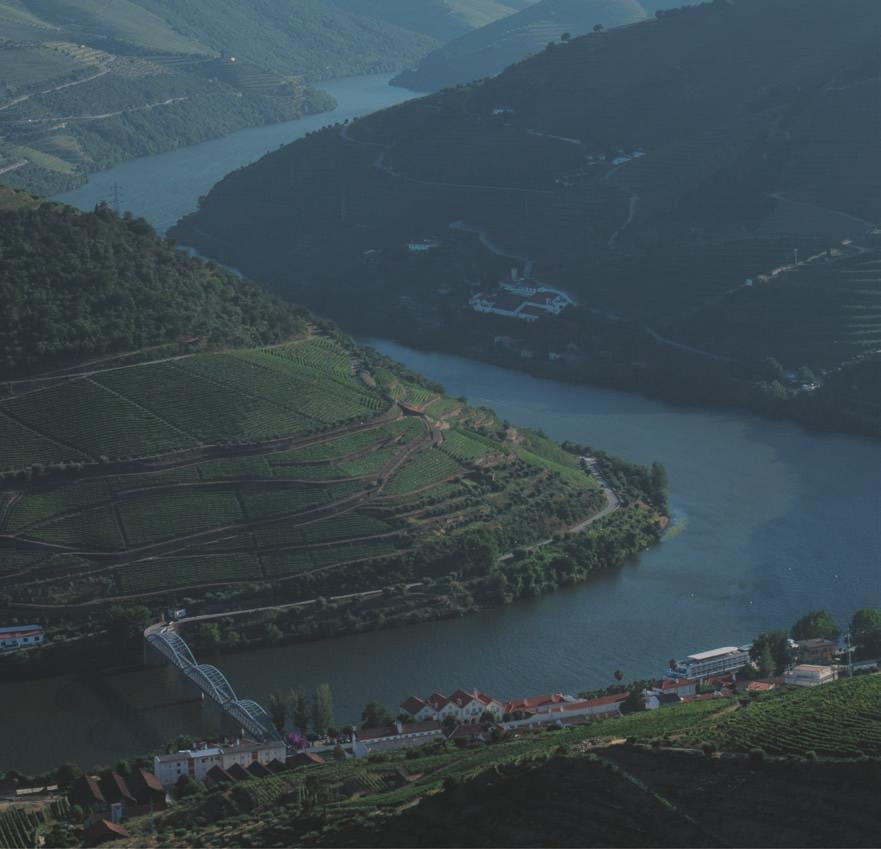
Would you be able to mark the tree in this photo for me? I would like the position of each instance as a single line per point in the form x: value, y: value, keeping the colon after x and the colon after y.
x: 634, y: 702
x: 777, y: 643
x: 658, y: 484
x: 272, y: 633
x: 598, y: 27
x: 765, y: 661
x: 619, y: 675
x: 865, y: 631
x: 125, y: 624
x: 186, y: 786
x: 322, y: 709
x: 816, y: 624
x: 208, y: 636
x: 59, y: 835
x: 339, y: 753
x: 375, y: 715
x: 279, y: 707
x: 66, y: 774
x: 301, y: 711
x: 566, y: 36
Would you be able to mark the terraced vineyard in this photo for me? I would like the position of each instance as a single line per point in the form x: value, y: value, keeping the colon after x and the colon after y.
x: 244, y: 468
x: 842, y: 719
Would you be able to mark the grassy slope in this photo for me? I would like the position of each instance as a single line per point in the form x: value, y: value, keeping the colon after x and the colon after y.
x: 489, y: 50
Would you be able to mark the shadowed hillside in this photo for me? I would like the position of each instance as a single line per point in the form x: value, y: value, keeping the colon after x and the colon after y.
x: 487, y: 51
x: 713, y: 157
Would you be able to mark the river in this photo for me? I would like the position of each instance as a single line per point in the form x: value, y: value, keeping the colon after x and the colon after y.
x: 165, y: 187
x: 770, y: 522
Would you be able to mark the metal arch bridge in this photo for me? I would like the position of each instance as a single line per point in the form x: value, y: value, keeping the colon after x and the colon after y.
x: 213, y: 683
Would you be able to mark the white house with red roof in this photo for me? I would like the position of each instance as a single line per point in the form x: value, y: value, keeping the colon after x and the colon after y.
x: 21, y: 637
x: 461, y: 705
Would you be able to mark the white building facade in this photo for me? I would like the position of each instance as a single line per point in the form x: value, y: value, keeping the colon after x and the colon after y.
x: 197, y: 762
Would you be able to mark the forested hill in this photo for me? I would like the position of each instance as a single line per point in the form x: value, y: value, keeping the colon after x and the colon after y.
x: 487, y: 51
x: 704, y: 183
x: 79, y: 285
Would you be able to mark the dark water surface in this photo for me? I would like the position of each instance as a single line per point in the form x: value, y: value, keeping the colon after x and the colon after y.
x: 771, y: 521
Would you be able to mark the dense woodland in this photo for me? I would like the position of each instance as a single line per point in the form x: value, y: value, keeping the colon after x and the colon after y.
x: 76, y: 285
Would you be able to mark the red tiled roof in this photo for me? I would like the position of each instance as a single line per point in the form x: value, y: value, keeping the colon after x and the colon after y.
x: 460, y: 698
x: 114, y: 788
x: 151, y: 782
x: 392, y: 730
x: 600, y: 702
x: 85, y: 791
x: 104, y: 830
x: 413, y: 705
x: 760, y: 686
x: 259, y: 770
x: 218, y: 775
x: 238, y: 772
x: 669, y: 684
x: 304, y: 759
x: 532, y: 702
x: 277, y: 766
x: 437, y: 700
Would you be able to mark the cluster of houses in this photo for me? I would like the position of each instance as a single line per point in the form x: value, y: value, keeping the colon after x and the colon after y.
x: 472, y: 716
x: 523, y: 299
x: 107, y: 798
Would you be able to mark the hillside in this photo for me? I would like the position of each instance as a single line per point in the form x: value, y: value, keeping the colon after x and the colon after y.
x: 577, y: 786
x: 204, y: 443
x: 67, y: 109
x: 304, y: 38
x: 78, y: 286
x: 679, y: 178
x: 487, y: 51
x: 440, y: 19
x: 85, y: 84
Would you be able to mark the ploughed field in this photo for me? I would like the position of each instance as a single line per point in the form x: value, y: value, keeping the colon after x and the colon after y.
x: 255, y: 466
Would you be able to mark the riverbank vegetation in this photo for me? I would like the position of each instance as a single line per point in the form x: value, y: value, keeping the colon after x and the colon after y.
x: 156, y: 463
x: 709, y: 261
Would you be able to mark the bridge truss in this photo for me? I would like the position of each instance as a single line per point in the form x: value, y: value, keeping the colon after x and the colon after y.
x: 251, y: 715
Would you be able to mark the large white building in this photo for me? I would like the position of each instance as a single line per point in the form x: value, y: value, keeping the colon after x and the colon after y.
x: 714, y: 662
x: 197, y: 762
x: 522, y: 299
